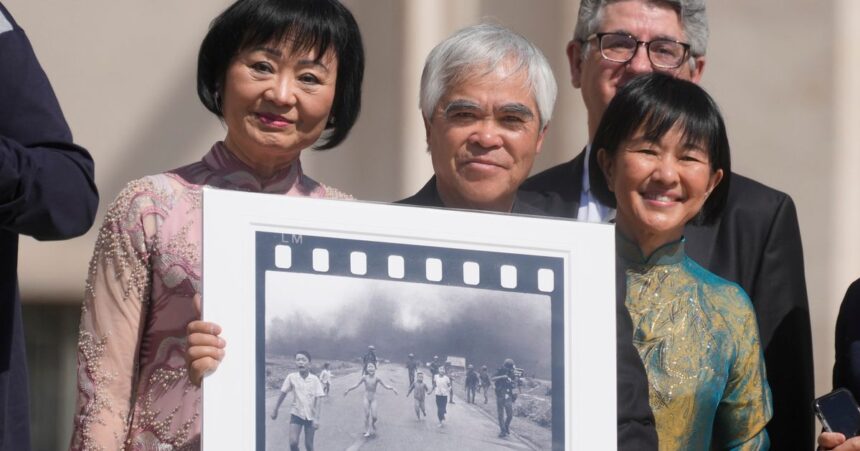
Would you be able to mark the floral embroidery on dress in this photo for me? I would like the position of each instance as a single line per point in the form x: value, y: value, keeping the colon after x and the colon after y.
x: 133, y: 387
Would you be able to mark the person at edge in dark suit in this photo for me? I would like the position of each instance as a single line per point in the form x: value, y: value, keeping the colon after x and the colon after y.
x: 756, y: 241
x: 486, y: 97
x: 846, y: 370
x: 46, y: 191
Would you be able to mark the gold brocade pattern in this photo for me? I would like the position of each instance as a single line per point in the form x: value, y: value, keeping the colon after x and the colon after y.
x: 697, y: 336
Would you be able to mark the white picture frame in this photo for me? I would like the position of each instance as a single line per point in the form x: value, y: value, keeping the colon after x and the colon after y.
x: 314, y: 259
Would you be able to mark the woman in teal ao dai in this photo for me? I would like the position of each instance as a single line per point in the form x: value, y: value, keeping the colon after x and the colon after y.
x: 663, y: 159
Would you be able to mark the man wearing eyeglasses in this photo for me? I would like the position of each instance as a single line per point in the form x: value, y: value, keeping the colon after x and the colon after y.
x: 756, y: 242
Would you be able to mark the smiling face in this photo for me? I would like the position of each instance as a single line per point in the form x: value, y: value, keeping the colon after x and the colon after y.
x: 276, y: 103
x: 599, y: 79
x: 658, y: 186
x: 483, y: 138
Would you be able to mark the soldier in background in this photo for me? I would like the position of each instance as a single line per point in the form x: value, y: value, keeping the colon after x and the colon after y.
x: 471, y: 384
x: 411, y: 366
x: 506, y: 380
x: 484, y: 378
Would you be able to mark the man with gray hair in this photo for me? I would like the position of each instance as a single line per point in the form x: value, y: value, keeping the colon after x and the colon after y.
x: 487, y: 96
x: 755, y: 243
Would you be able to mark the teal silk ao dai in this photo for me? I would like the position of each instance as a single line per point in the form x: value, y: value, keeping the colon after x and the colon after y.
x: 698, y: 338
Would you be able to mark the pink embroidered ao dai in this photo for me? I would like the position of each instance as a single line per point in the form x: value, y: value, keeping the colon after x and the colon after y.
x: 133, y: 389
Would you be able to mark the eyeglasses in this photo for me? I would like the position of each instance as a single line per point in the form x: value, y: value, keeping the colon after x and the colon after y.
x: 621, y: 48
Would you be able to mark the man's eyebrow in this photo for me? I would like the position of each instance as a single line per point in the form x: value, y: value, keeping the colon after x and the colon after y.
x: 666, y: 37
x: 517, y: 108
x: 460, y: 104
x: 653, y: 38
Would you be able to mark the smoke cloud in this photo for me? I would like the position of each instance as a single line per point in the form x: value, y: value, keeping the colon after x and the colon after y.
x: 338, y: 317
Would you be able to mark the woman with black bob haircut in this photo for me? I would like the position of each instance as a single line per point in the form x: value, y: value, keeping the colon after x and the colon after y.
x: 279, y: 74
x: 299, y: 25
x: 663, y: 159
x: 656, y: 104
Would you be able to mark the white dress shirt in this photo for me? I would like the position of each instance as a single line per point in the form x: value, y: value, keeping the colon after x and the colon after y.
x: 590, y: 209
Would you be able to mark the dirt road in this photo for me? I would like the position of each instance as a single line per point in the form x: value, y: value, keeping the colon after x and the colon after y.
x: 342, y: 421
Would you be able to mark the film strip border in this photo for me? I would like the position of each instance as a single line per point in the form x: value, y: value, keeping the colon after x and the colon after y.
x: 413, y: 263
x: 508, y: 271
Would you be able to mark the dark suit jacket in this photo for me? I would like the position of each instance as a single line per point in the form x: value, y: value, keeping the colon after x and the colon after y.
x: 846, y: 371
x: 428, y: 196
x: 755, y: 243
x: 46, y: 191
x: 635, y: 421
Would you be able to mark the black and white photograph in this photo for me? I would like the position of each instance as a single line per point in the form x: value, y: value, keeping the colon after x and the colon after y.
x: 361, y: 326
x: 354, y: 362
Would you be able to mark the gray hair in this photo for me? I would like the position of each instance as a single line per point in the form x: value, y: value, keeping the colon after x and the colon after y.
x: 693, y: 16
x: 481, y: 49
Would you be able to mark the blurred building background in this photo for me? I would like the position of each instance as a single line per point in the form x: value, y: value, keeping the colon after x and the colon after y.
x: 784, y: 73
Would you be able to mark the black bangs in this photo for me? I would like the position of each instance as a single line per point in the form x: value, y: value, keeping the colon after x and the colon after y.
x: 656, y: 103
x: 678, y: 104
x: 306, y: 25
x: 303, y: 26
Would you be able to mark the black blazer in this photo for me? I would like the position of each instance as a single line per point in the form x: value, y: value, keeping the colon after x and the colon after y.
x: 635, y: 420
x: 428, y: 196
x: 846, y: 371
x: 756, y: 243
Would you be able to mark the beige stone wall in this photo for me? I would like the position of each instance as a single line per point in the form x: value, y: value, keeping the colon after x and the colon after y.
x: 784, y: 73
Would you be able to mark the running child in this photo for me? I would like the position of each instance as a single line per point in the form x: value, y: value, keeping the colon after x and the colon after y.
x: 370, y: 382
x: 305, y: 409
x: 421, y: 390
x: 442, y: 389
x: 325, y: 378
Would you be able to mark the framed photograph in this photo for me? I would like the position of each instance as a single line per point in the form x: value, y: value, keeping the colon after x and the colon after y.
x: 362, y: 325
